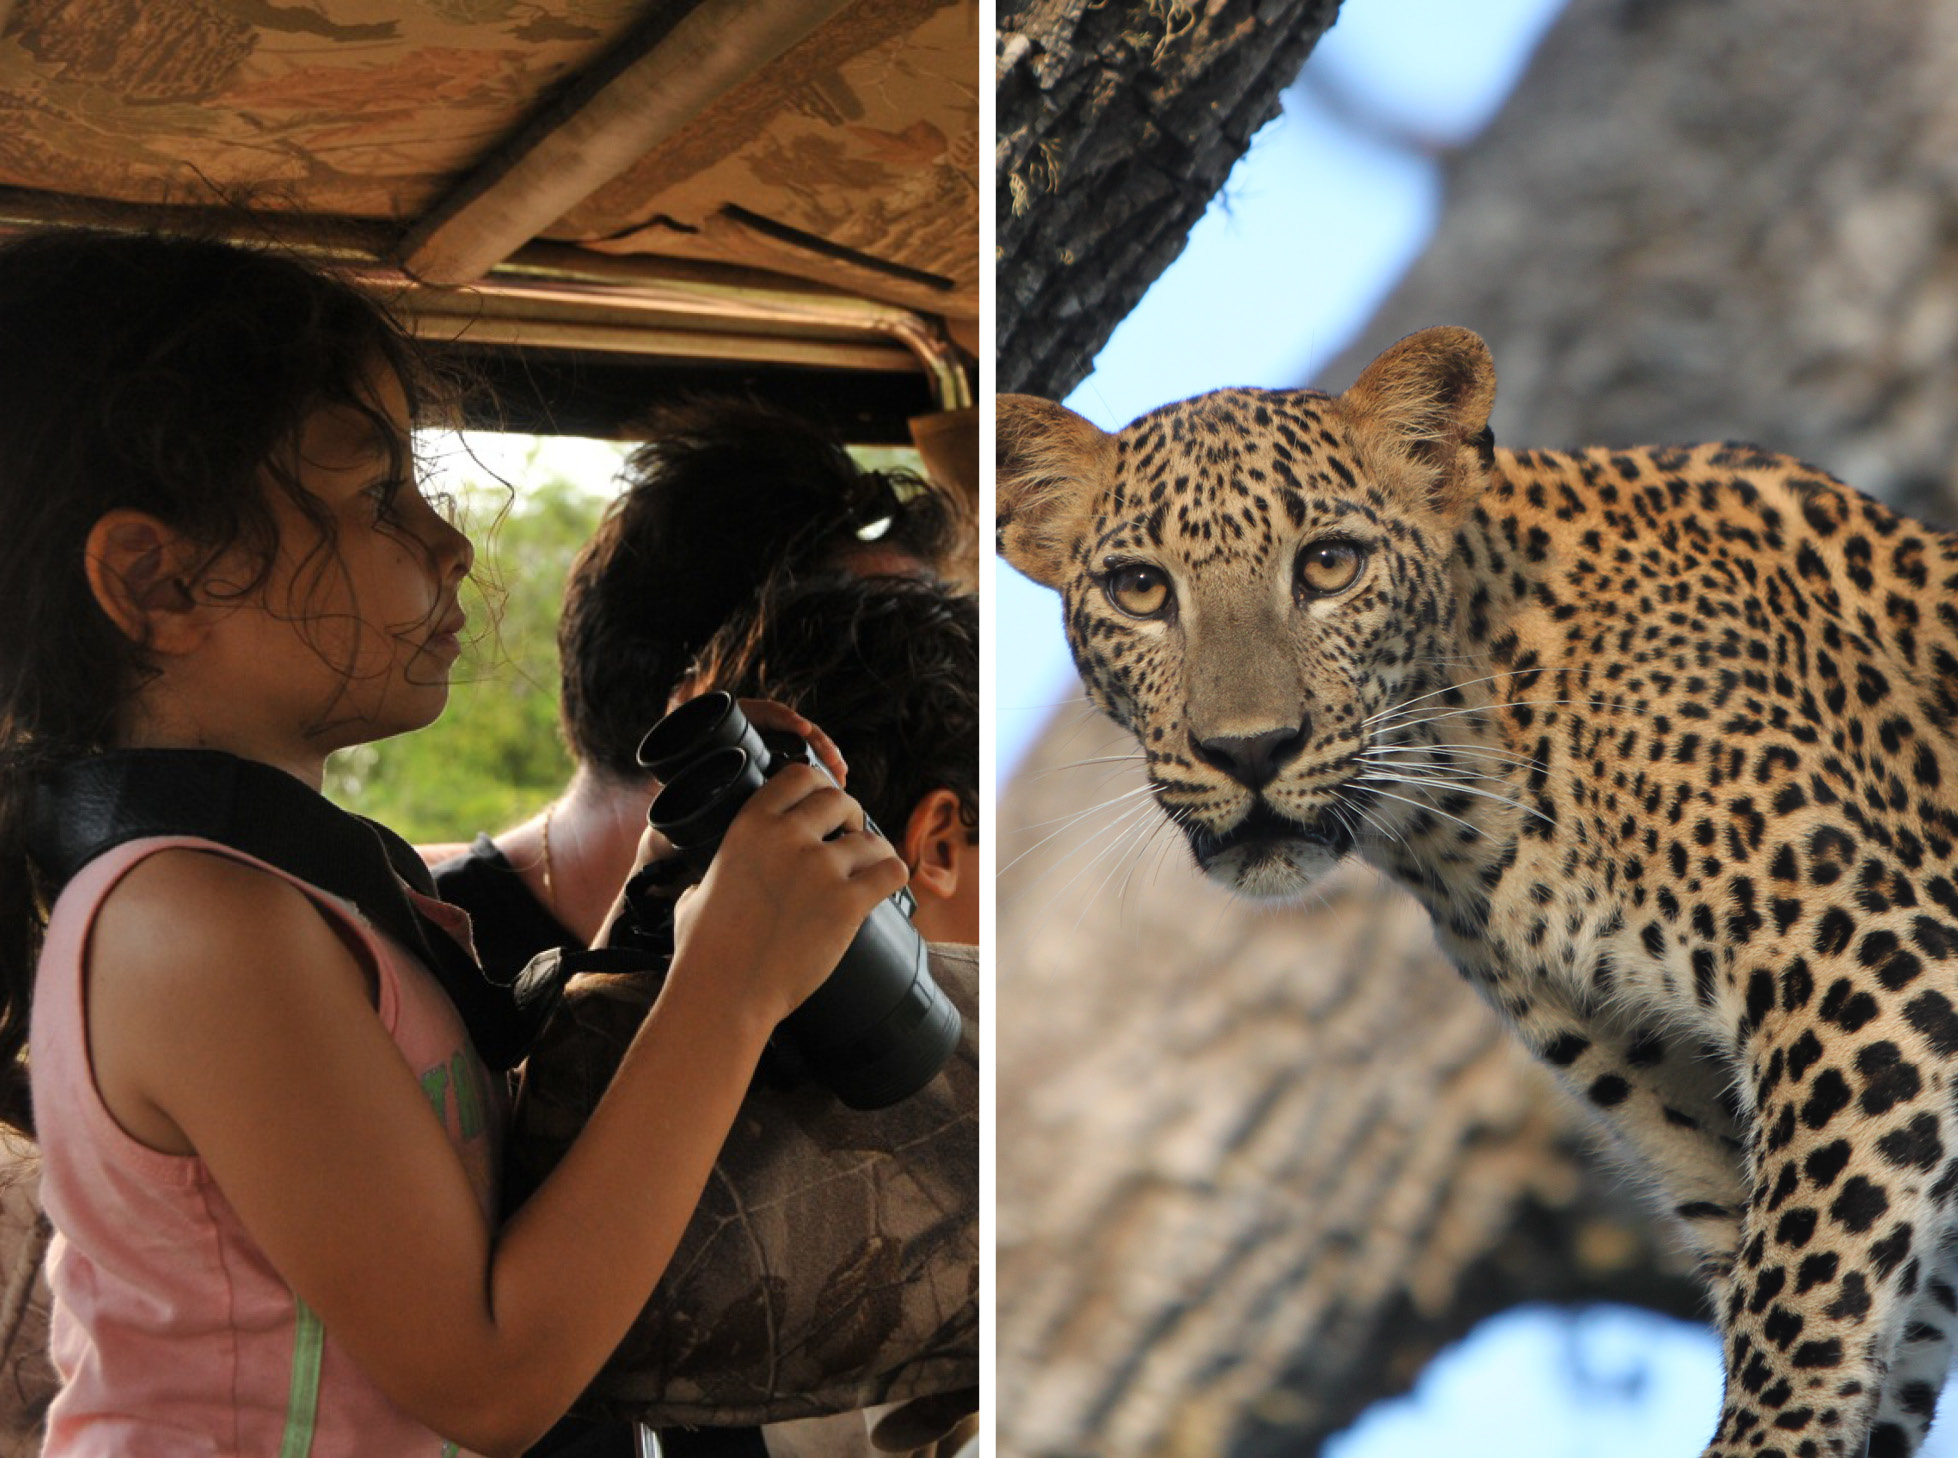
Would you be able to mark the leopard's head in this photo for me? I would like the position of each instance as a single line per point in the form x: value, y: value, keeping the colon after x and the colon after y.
x: 1250, y: 577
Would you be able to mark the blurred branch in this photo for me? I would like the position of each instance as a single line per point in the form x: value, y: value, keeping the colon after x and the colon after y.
x: 1356, y: 110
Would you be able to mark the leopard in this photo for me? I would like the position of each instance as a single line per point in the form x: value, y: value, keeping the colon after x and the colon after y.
x: 1665, y: 739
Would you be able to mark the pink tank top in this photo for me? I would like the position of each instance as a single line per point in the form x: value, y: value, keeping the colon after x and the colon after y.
x: 172, y: 1333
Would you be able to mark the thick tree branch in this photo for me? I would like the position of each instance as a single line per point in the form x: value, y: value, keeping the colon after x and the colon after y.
x: 1117, y: 125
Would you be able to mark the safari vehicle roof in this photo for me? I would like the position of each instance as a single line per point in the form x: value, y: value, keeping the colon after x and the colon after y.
x: 601, y: 201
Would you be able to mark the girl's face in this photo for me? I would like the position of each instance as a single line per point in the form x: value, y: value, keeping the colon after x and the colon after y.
x: 354, y: 630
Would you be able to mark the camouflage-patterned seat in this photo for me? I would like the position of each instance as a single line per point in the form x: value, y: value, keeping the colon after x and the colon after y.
x: 27, y: 1382
x: 833, y: 1263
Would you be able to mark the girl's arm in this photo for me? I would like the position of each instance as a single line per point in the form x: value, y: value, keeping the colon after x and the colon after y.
x: 229, y: 1018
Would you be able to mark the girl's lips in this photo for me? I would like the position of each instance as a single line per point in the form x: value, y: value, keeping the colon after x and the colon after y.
x: 447, y: 637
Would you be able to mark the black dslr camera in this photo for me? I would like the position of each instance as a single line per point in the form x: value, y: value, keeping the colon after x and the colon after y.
x: 880, y: 1027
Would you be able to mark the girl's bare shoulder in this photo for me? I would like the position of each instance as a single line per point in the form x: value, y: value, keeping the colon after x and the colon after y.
x: 206, y: 921
x: 207, y: 976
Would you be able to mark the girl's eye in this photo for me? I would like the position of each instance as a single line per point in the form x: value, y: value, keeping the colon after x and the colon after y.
x: 1328, y: 567
x: 1139, y: 591
x: 386, y: 495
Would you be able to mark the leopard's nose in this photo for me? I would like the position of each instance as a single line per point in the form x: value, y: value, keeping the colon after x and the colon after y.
x: 1253, y: 760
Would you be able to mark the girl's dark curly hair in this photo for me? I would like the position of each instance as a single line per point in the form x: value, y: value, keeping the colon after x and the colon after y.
x: 167, y: 376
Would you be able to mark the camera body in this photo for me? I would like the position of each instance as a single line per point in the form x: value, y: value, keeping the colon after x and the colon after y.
x: 879, y: 1028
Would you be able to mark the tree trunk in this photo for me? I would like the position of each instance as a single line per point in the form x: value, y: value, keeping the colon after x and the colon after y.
x: 1255, y: 1166
x: 1117, y: 125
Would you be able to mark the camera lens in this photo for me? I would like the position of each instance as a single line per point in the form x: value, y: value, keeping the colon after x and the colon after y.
x: 880, y: 1028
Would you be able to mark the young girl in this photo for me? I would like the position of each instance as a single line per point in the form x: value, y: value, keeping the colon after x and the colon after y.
x: 211, y: 539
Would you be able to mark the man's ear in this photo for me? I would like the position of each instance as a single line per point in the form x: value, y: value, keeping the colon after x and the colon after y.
x: 1426, y: 402
x: 936, y: 839
x: 139, y: 571
x: 1051, y: 465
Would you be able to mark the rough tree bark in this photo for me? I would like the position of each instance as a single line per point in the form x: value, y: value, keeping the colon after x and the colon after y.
x: 1253, y: 1167
x: 1117, y: 125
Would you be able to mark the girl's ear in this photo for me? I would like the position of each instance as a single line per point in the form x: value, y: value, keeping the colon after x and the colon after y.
x: 935, y: 844
x: 139, y: 571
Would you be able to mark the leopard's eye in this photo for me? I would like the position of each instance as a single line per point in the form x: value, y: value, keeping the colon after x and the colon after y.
x: 1139, y: 590
x: 1327, y: 567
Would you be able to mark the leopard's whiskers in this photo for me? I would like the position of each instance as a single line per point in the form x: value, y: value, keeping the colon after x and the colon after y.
x: 1137, y: 758
x: 1117, y: 839
x: 1403, y: 717
x: 1087, y: 717
x: 1466, y: 683
x: 1455, y: 788
x: 1389, y: 834
x: 1064, y: 823
x: 1432, y: 810
x: 1455, y: 749
x: 1122, y: 893
x: 1451, y: 771
x: 1073, y: 815
x: 1134, y: 836
x: 1116, y: 832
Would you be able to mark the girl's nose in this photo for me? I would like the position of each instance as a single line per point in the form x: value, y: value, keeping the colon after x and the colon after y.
x: 448, y: 547
x: 454, y: 550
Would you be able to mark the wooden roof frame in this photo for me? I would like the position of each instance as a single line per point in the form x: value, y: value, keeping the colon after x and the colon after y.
x: 467, y: 271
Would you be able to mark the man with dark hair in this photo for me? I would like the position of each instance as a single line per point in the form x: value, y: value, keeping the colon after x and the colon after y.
x: 889, y: 668
x: 727, y: 500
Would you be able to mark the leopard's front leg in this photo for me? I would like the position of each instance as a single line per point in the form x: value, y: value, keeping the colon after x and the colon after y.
x: 1669, y: 1103
x: 1842, y: 1228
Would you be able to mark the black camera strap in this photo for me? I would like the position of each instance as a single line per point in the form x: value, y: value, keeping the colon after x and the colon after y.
x: 92, y: 805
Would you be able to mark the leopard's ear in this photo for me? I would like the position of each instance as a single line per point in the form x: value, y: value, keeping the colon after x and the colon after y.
x: 1425, y: 401
x: 1051, y: 465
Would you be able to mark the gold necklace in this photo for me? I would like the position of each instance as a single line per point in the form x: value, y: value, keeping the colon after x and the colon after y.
x: 550, y: 883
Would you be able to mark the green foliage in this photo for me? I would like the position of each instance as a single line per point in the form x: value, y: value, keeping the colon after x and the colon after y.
x: 889, y: 458
x: 494, y: 757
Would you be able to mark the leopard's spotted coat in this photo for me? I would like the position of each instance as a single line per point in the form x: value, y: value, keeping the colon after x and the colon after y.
x: 1667, y: 742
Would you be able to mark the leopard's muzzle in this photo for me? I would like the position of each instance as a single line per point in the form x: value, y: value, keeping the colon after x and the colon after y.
x: 1268, y: 855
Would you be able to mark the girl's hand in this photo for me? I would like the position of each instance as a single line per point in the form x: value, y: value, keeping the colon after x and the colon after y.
x: 795, y: 876
x: 763, y: 714
x: 767, y: 714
